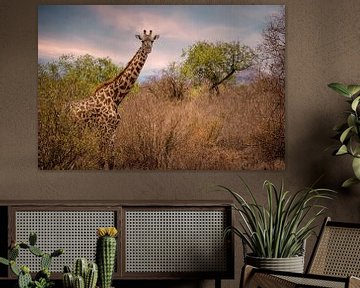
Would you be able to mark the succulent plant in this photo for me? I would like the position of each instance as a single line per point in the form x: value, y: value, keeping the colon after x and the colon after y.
x: 79, y: 282
x: 106, y: 254
x: 85, y: 275
x: 42, y: 278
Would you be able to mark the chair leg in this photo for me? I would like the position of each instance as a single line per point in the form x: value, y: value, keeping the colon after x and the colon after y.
x: 246, y: 273
x: 354, y: 282
x: 217, y: 282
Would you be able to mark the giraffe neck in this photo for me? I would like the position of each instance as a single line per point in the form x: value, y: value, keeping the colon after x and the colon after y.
x: 123, y: 83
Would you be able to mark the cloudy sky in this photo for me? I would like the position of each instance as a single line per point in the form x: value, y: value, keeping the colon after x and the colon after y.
x: 109, y: 30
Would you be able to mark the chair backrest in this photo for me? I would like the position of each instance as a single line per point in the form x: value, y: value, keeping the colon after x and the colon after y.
x: 337, y: 251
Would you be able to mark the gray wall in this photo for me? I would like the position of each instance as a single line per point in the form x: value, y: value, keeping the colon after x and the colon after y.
x: 323, y: 46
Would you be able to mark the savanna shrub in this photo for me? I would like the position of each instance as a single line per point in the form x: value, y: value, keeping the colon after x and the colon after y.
x: 62, y: 144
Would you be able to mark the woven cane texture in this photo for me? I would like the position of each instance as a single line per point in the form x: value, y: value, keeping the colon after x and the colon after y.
x: 338, y: 252
x: 269, y: 281
x: 74, y: 231
x: 175, y: 241
x: 305, y: 282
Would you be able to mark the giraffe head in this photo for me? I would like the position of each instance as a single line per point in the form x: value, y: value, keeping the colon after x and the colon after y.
x: 147, y: 40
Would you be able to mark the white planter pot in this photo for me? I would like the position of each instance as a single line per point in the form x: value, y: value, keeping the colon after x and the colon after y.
x: 291, y: 264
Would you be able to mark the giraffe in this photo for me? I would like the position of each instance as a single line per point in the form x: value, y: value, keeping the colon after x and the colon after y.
x: 100, y: 110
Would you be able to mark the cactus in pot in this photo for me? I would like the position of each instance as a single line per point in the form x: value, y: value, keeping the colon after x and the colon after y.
x: 85, y: 275
x: 106, y: 254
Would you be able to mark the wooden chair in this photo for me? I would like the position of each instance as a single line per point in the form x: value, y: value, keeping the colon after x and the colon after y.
x: 335, y: 262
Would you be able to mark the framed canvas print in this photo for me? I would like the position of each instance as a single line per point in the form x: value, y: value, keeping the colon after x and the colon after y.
x: 161, y: 87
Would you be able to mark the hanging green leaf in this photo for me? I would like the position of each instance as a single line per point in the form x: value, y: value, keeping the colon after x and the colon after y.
x: 342, y: 150
x: 349, y: 132
x: 355, y: 103
x: 356, y: 167
x: 351, y: 120
x: 345, y: 134
x: 353, y: 89
x: 349, y: 182
x: 340, y: 88
x: 354, y: 145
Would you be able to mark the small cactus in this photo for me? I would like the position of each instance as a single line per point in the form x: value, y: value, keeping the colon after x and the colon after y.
x: 80, y: 268
x: 91, y: 276
x: 24, y: 277
x: 23, y: 273
x: 106, y: 254
x: 32, y: 238
x: 14, y: 268
x: 13, y: 253
x: 68, y: 280
x: 45, y: 261
x: 57, y: 252
x: 79, y: 282
x: 83, y: 274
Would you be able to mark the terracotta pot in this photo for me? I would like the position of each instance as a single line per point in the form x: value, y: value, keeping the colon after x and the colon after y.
x: 291, y: 264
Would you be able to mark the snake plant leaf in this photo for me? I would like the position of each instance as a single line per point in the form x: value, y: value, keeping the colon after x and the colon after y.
x: 355, y: 103
x: 342, y: 150
x: 349, y: 182
x: 356, y: 167
x: 278, y: 228
x: 340, y: 88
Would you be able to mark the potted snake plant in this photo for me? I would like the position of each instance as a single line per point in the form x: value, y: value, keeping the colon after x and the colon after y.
x: 348, y: 132
x: 274, y: 234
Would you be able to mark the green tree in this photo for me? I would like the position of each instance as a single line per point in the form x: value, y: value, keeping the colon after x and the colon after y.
x: 169, y: 83
x: 65, y: 79
x: 217, y: 62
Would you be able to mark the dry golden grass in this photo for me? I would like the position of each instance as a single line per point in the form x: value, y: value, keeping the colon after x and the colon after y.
x: 242, y: 128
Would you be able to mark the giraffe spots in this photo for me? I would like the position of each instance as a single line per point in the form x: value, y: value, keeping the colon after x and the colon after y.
x: 123, y: 86
x: 138, y: 69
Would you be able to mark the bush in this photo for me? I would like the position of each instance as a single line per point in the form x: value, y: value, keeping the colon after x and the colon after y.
x: 62, y: 144
x: 200, y: 132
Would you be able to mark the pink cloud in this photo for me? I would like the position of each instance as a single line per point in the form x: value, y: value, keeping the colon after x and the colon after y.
x: 172, y: 26
x: 176, y: 26
x: 52, y: 49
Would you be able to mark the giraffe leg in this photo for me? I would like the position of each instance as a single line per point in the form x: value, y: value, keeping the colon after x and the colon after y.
x: 111, y: 152
x: 103, y: 148
x: 108, y: 145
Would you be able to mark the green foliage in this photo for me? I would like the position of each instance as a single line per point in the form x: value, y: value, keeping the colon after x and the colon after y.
x: 43, y: 283
x: 279, y: 229
x: 62, y: 144
x: 349, y: 131
x: 216, y: 62
x: 42, y: 278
